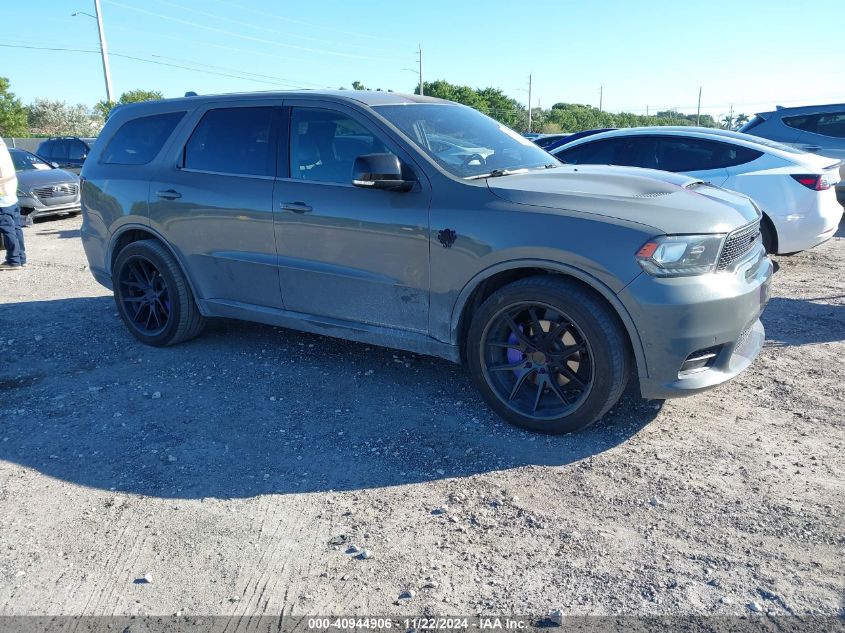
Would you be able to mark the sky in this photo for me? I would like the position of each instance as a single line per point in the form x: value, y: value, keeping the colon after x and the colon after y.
x: 644, y: 56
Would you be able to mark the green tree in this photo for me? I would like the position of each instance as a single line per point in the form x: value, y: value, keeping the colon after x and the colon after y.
x: 13, y: 120
x: 357, y: 85
x: 491, y: 101
x: 132, y: 96
x: 741, y: 120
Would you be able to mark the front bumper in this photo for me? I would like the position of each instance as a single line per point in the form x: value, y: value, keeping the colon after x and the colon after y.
x: 679, y: 316
x: 32, y: 206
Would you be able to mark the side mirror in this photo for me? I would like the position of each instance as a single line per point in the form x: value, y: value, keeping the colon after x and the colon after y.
x: 379, y: 171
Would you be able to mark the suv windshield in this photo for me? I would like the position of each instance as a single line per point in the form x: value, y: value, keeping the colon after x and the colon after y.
x: 463, y: 141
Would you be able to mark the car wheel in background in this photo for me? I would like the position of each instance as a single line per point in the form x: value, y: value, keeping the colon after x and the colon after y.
x: 152, y: 295
x: 769, y: 235
x: 548, y: 354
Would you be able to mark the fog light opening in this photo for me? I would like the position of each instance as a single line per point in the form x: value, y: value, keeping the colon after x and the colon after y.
x: 700, y: 360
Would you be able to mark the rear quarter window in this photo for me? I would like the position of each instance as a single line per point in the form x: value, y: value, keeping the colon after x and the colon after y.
x: 138, y: 141
x: 754, y: 122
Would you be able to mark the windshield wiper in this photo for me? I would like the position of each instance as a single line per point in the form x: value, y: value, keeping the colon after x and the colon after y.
x: 508, y: 172
x: 498, y: 172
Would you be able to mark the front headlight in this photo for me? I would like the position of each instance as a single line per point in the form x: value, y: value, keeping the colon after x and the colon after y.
x: 677, y: 255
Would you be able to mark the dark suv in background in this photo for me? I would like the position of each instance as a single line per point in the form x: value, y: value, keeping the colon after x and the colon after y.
x: 68, y: 152
x: 423, y: 225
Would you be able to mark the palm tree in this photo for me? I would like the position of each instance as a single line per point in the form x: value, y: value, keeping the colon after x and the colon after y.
x: 741, y: 120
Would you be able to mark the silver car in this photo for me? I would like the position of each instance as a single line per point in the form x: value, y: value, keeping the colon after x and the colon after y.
x: 43, y: 189
x: 819, y: 129
x: 345, y: 214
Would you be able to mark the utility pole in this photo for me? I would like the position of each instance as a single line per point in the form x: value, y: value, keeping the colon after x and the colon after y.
x: 529, y: 103
x: 698, y: 113
x: 421, y: 71
x: 104, y: 50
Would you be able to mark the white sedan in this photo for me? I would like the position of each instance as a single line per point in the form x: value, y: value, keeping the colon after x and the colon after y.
x: 794, y: 189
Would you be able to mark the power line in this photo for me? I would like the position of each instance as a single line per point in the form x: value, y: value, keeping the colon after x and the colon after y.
x: 303, y: 22
x: 251, y: 52
x: 233, y: 34
x: 151, y: 61
x: 49, y: 48
x: 242, y: 72
x: 218, y: 17
x: 287, y: 83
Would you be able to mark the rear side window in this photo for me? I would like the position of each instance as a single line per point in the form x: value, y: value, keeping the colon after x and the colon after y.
x: 689, y: 154
x: 233, y: 141
x: 138, y: 141
x: 832, y: 124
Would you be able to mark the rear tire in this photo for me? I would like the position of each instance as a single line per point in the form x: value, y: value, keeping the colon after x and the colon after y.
x: 769, y: 235
x: 153, y: 297
x: 548, y: 354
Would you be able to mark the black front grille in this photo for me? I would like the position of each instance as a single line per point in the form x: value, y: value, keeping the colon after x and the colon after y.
x: 48, y: 193
x: 739, y: 244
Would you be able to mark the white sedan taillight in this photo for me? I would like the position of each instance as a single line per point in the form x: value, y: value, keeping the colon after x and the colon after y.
x: 818, y: 182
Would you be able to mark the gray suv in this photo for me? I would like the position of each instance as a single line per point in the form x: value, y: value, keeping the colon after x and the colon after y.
x: 336, y: 213
x: 819, y: 129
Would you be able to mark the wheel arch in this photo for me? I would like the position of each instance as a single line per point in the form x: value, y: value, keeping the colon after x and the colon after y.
x: 495, y: 277
x: 130, y: 233
x: 770, y: 226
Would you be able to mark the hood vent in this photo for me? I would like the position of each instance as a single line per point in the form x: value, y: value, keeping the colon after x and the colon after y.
x: 651, y: 194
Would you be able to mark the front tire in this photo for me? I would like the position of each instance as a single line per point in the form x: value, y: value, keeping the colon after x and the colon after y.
x: 153, y: 297
x: 548, y: 354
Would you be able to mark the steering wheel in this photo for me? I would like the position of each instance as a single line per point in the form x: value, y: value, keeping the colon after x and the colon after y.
x: 473, y: 157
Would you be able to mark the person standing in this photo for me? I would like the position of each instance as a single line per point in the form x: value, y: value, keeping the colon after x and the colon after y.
x: 11, y: 224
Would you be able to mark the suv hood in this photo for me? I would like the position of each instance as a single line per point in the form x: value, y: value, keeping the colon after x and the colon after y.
x: 671, y: 203
x: 39, y: 177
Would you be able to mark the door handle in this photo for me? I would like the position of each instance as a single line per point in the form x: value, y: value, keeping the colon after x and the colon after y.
x: 296, y: 207
x: 169, y: 194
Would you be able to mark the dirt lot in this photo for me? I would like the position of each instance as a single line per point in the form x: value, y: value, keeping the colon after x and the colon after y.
x: 237, y: 471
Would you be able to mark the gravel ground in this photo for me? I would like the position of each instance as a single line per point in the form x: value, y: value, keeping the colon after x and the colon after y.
x: 243, y: 473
